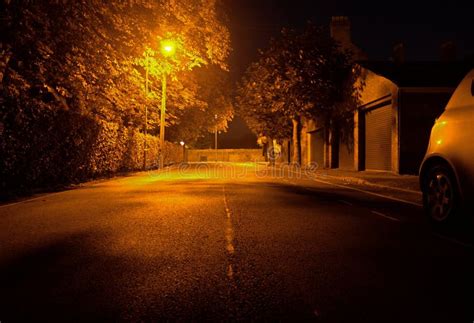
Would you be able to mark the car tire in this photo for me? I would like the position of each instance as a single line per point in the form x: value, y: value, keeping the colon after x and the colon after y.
x: 441, y: 196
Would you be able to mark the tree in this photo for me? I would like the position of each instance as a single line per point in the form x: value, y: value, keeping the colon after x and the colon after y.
x: 214, y: 99
x: 301, y: 74
x: 258, y: 99
x: 77, y: 59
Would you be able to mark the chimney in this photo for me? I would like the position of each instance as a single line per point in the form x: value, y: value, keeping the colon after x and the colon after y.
x: 448, y: 51
x: 398, y: 53
x: 341, y: 30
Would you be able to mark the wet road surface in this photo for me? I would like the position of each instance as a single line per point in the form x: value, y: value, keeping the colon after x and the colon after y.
x: 228, y: 242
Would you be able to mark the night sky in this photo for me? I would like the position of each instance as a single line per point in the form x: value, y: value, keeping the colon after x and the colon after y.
x: 376, y: 27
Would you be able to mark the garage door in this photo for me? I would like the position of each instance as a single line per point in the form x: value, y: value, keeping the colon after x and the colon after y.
x: 378, y: 138
x: 316, y: 147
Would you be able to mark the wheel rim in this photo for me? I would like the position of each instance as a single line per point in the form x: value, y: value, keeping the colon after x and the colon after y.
x: 440, y: 196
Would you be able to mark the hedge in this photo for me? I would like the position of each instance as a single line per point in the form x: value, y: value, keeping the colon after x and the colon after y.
x: 56, y: 148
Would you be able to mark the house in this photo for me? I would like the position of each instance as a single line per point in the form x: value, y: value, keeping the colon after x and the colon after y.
x: 400, y: 102
x: 316, y: 139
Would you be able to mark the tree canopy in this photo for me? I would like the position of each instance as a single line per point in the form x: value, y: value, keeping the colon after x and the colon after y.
x: 76, y: 62
x: 301, y: 74
x: 82, y: 54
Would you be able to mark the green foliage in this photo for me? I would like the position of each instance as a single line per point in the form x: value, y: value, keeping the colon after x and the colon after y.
x: 258, y: 99
x: 72, y: 94
x: 301, y: 74
x: 60, y: 147
x: 213, y: 91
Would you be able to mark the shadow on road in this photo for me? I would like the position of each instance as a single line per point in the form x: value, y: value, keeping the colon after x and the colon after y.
x: 44, y: 285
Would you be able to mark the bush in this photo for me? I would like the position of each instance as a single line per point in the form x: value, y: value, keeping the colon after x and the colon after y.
x: 50, y: 148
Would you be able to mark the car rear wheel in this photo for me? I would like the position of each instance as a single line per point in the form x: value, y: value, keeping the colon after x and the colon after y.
x: 440, y: 195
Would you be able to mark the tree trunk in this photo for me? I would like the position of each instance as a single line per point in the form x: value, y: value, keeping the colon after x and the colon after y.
x: 270, y: 152
x: 296, y: 141
x: 288, y: 151
x: 334, y: 131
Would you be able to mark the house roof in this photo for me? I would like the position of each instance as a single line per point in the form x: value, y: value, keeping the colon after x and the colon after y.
x: 420, y: 74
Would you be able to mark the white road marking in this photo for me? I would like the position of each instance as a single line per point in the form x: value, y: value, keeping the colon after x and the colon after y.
x: 379, y: 185
x: 316, y: 312
x: 345, y: 202
x: 366, y: 192
x: 229, y: 234
x: 385, y: 216
x: 230, y: 271
x: 452, y: 240
x: 348, y: 203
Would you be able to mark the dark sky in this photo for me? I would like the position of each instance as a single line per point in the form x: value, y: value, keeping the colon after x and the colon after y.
x: 376, y: 26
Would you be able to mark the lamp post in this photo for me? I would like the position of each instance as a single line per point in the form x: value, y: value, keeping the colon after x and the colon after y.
x: 168, y: 48
x: 215, y: 136
x: 184, y: 150
x: 146, y: 109
x: 162, y: 119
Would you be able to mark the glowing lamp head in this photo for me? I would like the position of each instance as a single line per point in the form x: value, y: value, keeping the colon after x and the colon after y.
x: 181, y: 143
x: 168, y: 47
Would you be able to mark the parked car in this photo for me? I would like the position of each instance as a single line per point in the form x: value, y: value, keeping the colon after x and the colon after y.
x: 447, y: 171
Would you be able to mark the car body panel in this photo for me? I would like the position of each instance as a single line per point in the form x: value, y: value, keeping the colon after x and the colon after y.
x: 452, y: 137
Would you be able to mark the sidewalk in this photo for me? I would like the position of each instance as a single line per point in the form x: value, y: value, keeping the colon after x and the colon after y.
x: 408, y: 183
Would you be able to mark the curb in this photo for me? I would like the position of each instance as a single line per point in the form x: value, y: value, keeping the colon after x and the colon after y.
x: 360, y: 181
x: 118, y: 176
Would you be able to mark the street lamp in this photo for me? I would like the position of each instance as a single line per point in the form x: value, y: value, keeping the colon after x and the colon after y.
x: 168, y: 48
x: 184, y: 150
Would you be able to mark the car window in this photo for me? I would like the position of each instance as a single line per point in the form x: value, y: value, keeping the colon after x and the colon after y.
x: 463, y: 95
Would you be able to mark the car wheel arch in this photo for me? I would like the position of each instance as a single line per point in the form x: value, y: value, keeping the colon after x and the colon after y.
x: 434, y: 161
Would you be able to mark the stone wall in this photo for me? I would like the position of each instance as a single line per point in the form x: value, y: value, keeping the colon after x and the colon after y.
x: 225, y: 155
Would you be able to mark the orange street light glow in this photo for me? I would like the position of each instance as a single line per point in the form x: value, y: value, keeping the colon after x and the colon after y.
x: 168, y: 47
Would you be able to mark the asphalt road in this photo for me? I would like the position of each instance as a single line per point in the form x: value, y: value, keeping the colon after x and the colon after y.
x: 224, y: 242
